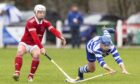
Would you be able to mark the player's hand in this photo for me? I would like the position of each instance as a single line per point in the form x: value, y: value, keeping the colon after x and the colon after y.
x: 42, y: 50
x: 110, y: 70
x: 124, y: 72
x: 63, y: 42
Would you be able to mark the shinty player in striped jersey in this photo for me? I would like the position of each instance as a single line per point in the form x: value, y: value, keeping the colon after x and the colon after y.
x: 96, y: 49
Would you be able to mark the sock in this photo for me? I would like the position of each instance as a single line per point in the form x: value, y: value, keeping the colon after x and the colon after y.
x: 34, y: 66
x: 83, y: 69
x: 18, y: 64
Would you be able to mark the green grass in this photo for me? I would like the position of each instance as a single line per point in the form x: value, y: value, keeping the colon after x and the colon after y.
x: 69, y: 60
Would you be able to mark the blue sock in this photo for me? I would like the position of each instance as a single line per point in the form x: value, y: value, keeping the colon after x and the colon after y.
x: 84, y: 69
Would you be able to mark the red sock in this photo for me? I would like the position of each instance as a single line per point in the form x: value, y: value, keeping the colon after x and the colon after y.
x: 34, y: 67
x: 18, y: 64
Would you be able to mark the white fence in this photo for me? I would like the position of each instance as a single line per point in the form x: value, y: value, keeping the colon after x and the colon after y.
x: 17, y: 32
x: 59, y: 27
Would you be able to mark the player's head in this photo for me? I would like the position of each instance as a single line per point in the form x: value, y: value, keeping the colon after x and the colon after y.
x: 105, y: 42
x: 40, y: 11
x: 74, y: 8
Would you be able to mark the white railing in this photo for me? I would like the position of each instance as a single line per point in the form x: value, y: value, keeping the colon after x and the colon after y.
x: 119, y: 34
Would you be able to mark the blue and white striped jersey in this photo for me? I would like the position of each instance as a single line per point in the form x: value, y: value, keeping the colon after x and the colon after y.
x: 93, y: 46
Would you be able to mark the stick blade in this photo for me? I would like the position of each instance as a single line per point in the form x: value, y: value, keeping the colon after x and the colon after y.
x: 70, y: 80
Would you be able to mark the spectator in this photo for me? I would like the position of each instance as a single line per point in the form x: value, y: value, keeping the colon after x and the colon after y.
x: 75, y: 19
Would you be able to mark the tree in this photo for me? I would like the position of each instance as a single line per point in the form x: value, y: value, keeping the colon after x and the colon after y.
x: 123, y: 8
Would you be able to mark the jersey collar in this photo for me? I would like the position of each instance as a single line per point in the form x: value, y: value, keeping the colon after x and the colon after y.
x: 38, y: 21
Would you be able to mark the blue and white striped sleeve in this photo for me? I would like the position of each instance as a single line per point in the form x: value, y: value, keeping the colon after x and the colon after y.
x: 100, y: 59
x: 116, y: 55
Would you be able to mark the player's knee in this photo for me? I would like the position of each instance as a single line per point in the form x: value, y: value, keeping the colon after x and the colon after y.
x: 36, y: 55
x: 20, y: 52
x: 35, y: 58
x: 92, y: 69
x: 91, y: 66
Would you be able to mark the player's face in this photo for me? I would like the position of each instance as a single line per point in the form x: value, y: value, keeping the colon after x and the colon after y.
x: 104, y: 47
x: 40, y: 14
x: 74, y: 8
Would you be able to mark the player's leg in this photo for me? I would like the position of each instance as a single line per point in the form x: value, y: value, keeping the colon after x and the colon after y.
x: 78, y: 39
x: 18, y: 60
x: 35, y: 52
x: 72, y: 37
x: 90, y: 67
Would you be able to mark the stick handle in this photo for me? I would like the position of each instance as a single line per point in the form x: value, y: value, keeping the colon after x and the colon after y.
x: 63, y: 72
x: 100, y: 75
x: 48, y: 56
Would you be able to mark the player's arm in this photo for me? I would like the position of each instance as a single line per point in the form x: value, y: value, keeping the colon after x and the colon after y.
x: 118, y: 59
x: 56, y: 33
x: 35, y: 37
x: 102, y: 62
x: 81, y: 19
x: 32, y: 31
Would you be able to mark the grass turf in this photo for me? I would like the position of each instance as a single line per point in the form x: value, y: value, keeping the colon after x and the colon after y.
x: 69, y: 60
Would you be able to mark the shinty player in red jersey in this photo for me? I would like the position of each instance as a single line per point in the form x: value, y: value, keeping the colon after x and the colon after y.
x: 31, y: 41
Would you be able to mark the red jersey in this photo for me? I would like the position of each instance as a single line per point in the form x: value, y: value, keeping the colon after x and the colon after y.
x: 34, y: 31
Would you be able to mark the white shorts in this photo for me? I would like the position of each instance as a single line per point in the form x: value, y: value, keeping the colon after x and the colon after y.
x: 29, y: 48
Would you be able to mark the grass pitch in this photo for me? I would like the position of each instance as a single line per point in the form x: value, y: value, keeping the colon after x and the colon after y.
x: 69, y: 60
